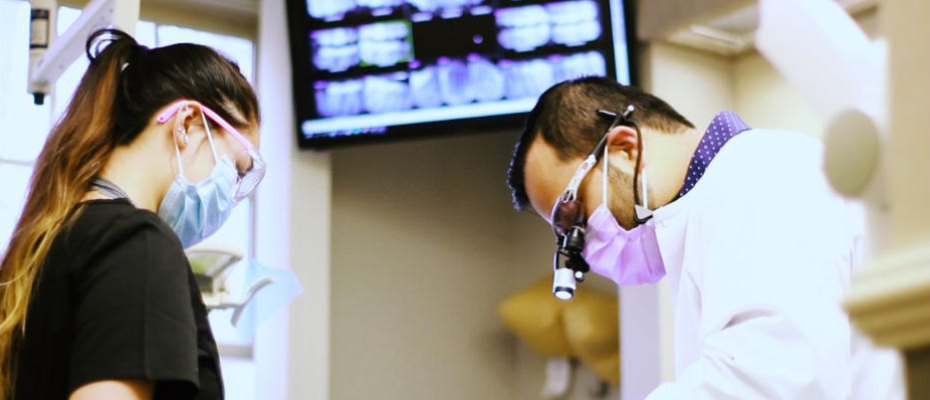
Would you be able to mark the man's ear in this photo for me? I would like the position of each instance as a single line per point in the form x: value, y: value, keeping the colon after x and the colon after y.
x: 622, y: 140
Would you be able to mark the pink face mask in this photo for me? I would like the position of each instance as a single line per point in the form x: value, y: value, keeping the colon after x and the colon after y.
x: 628, y: 257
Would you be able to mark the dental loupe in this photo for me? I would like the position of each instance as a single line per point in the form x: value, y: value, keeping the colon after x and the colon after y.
x: 568, y: 267
x: 568, y: 219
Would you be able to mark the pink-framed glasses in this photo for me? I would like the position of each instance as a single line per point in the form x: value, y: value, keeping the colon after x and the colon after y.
x: 248, y: 162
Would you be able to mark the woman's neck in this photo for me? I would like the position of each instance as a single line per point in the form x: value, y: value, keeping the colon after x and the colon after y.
x: 138, y: 171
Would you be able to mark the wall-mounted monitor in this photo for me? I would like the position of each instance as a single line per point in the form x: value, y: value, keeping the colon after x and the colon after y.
x: 367, y: 70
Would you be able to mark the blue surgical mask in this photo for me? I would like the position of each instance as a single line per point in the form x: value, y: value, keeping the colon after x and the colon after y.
x: 197, y: 210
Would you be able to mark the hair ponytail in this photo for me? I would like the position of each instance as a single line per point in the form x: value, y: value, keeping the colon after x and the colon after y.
x: 74, y: 152
x: 114, y: 101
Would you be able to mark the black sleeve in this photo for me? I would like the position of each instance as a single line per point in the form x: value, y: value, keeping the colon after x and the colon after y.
x: 133, y: 317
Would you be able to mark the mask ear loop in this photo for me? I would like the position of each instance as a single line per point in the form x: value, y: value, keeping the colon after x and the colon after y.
x: 606, y: 168
x: 645, y: 190
x: 642, y: 213
x: 177, y: 153
x: 206, y: 126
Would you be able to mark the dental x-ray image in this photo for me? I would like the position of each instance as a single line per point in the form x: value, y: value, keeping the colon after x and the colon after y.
x: 326, y: 9
x: 335, y: 49
x: 523, y: 28
x: 434, y: 5
x: 384, y: 44
x: 424, y: 87
x: 340, y: 98
x: 527, y: 28
x: 574, y: 22
x: 485, y: 80
x: 528, y: 78
x: 453, y: 82
x: 456, y: 82
x: 572, y: 66
x: 335, y: 9
x: 380, y: 3
x: 386, y: 93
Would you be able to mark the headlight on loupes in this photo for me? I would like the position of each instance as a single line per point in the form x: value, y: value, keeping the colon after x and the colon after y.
x: 568, y: 266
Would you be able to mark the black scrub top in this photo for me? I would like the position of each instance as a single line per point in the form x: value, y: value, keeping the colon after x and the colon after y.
x: 116, y: 299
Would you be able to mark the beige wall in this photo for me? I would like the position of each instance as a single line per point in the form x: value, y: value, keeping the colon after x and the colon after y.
x: 766, y: 100
x: 908, y: 144
x: 698, y: 84
x: 421, y: 238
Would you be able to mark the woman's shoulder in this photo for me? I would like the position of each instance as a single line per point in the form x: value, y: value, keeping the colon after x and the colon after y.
x: 117, y: 220
x: 114, y: 228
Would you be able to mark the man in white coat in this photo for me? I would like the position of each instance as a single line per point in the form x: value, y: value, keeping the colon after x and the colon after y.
x: 756, y: 246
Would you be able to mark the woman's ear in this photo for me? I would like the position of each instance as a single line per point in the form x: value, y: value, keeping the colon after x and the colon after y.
x: 183, y: 122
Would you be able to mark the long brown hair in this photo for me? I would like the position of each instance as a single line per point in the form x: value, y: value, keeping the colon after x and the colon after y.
x: 122, y: 89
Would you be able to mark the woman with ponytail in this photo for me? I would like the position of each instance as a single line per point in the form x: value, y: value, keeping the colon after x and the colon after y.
x: 97, y: 300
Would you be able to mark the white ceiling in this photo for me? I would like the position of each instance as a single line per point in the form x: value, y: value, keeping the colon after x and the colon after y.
x: 239, y: 11
x: 236, y: 10
x: 733, y: 32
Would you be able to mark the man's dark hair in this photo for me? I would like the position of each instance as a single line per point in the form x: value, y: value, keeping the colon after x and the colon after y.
x: 566, y: 117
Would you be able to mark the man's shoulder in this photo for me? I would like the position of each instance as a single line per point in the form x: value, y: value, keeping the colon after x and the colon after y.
x: 762, y: 150
x: 769, y: 141
x: 767, y: 162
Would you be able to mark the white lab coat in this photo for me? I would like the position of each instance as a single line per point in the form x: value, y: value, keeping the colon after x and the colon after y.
x: 758, y: 255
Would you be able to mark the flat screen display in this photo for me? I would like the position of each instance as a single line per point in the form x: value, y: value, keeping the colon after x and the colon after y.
x: 368, y: 70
